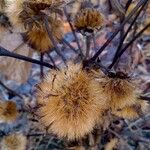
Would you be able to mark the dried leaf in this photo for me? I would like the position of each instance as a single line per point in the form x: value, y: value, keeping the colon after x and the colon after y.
x: 12, y: 68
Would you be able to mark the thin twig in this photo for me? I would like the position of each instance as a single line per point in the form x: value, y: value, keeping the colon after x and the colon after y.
x: 88, y: 44
x: 116, y: 32
x: 41, y: 66
x: 127, y: 45
x: 51, y: 59
x: 49, y: 32
x: 125, y: 35
x: 10, y: 90
x: 69, y: 45
x: 128, y: 4
x: 4, y: 52
x: 73, y: 31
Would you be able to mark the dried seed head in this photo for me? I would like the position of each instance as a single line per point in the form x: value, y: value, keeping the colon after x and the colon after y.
x: 88, y: 20
x: 70, y: 102
x: 134, y: 111
x: 128, y: 112
x: 37, y: 37
x: 119, y: 92
x: 29, y: 15
x: 15, y: 141
x: 25, y: 13
x: 8, y: 111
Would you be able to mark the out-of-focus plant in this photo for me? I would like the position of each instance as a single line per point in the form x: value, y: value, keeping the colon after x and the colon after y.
x: 79, y: 101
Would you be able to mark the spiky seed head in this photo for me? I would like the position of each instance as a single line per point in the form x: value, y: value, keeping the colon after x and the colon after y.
x: 8, y: 111
x: 37, y: 37
x: 88, y: 20
x: 119, y: 92
x: 15, y: 141
x: 70, y: 102
x: 128, y: 112
x: 134, y: 111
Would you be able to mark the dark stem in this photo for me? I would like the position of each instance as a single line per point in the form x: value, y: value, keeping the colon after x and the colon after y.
x: 69, y: 45
x: 51, y: 59
x: 10, y: 90
x: 41, y: 66
x: 128, y: 4
x: 73, y: 31
x: 116, y: 32
x: 88, y: 44
x: 125, y: 35
x: 94, y: 41
x: 4, y: 52
x: 130, y: 43
x: 49, y: 32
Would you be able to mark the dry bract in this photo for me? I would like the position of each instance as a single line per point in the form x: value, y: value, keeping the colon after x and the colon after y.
x: 8, y: 111
x: 88, y: 18
x: 70, y: 102
x: 119, y: 92
x: 15, y: 141
x: 38, y: 37
x: 29, y: 17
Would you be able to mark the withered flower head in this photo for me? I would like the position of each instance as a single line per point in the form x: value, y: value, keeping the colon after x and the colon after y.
x: 8, y: 111
x: 38, y: 38
x: 88, y: 20
x: 128, y: 112
x: 70, y: 102
x: 30, y: 16
x: 134, y: 111
x: 15, y: 141
x: 119, y: 91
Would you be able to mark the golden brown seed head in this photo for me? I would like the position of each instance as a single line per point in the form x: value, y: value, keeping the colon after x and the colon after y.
x: 128, y: 112
x: 88, y: 19
x: 8, y: 112
x: 37, y: 37
x: 70, y: 102
x: 15, y: 141
x: 119, y: 92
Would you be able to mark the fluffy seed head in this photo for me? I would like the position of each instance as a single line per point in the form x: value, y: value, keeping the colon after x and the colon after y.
x: 70, y: 102
x: 15, y: 141
x: 8, y: 111
x: 88, y: 19
x: 119, y: 92
x: 38, y: 38
x: 128, y: 112
x: 28, y: 15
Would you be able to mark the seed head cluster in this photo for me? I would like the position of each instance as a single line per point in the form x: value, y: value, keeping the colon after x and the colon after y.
x: 29, y: 17
x: 88, y: 19
x: 70, y: 102
x: 73, y: 101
